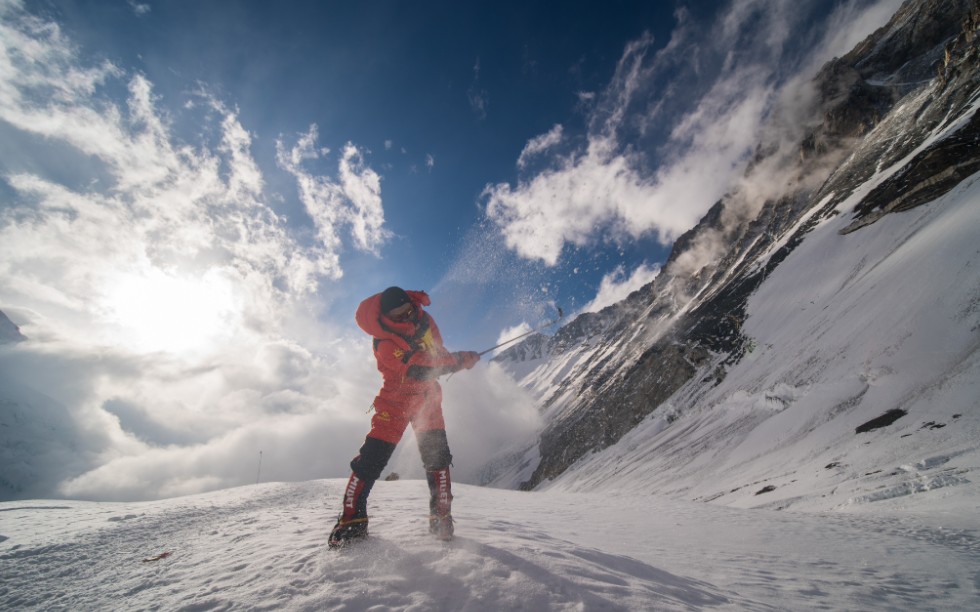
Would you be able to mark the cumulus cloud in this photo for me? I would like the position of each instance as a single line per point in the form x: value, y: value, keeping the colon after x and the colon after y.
x: 675, y: 128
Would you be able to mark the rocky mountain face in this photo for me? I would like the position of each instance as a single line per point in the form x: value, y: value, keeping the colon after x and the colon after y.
x: 904, y: 100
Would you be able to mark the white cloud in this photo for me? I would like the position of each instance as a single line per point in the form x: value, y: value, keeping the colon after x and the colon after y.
x: 604, y: 192
x: 477, y: 96
x: 510, y: 333
x: 139, y: 8
x: 202, y: 201
x: 430, y: 161
x: 353, y: 201
x: 168, y: 305
x: 616, y: 286
x: 292, y: 447
x: 567, y: 204
x: 540, y: 144
x: 673, y: 131
x: 851, y: 23
x: 169, y: 310
x: 362, y: 187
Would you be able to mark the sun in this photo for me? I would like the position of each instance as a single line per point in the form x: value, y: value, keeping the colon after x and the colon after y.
x: 169, y: 312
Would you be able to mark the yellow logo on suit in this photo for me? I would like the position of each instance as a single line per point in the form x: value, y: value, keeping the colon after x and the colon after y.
x: 427, y: 342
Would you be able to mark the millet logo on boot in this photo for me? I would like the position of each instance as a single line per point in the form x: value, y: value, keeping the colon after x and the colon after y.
x: 443, y: 489
x: 352, y: 487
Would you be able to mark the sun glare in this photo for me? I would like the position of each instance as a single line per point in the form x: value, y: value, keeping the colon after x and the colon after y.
x: 176, y: 314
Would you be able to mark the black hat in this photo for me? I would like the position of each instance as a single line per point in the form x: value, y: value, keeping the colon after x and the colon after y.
x: 392, y: 298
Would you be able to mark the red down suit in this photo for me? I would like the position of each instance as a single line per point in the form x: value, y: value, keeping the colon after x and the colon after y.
x: 410, y: 357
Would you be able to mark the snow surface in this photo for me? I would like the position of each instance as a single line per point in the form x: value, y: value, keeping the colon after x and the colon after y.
x: 263, y: 547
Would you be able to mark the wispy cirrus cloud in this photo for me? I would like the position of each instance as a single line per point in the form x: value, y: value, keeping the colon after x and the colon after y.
x: 351, y: 201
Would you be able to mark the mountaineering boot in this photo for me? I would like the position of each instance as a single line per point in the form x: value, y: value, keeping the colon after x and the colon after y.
x: 440, y: 504
x: 441, y: 527
x: 353, y: 523
x: 346, y: 531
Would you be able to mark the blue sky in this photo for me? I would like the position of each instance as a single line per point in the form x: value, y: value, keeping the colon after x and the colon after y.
x: 438, y: 99
x: 212, y: 187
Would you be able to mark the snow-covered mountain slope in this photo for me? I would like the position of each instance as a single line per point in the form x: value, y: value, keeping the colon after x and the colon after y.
x: 263, y: 547
x: 843, y: 332
x: 785, y: 322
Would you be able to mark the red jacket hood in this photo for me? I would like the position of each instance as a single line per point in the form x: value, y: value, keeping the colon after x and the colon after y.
x: 368, y: 317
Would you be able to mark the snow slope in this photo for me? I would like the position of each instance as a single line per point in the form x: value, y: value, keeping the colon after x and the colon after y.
x: 847, y: 328
x: 263, y: 547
